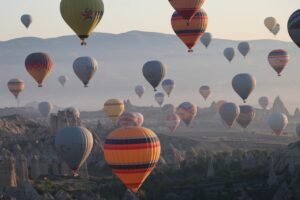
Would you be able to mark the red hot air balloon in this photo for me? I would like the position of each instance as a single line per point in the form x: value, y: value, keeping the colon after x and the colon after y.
x: 190, y: 33
x: 39, y: 65
x: 187, y: 8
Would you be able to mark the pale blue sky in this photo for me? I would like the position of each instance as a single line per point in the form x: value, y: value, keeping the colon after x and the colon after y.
x: 230, y: 19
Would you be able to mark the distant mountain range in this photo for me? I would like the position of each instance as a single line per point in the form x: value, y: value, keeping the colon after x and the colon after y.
x: 121, y: 57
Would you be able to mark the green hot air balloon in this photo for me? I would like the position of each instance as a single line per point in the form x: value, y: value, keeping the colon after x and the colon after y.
x: 74, y: 145
x: 243, y: 85
x: 154, y: 72
x: 82, y: 16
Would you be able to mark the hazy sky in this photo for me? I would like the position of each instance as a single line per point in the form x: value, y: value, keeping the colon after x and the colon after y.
x: 230, y: 19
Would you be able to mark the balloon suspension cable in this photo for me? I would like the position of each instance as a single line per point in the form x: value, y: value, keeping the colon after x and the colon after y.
x: 18, y: 102
x: 82, y: 42
x: 190, y: 50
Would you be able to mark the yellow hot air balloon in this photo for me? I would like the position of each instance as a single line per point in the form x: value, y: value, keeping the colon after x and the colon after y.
x: 114, y: 108
x: 132, y: 153
x: 82, y: 16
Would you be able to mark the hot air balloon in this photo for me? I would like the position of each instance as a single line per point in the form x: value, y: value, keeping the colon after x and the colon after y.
x: 140, y: 118
x: 26, y: 20
x: 45, y: 108
x: 74, y: 145
x: 74, y: 111
x: 263, y: 102
x: 190, y: 33
x: 243, y: 85
x: 277, y: 122
x: 114, y: 108
x: 298, y: 130
x: 132, y: 153
x: 206, y: 39
x: 39, y: 65
x: 187, y: 8
x: 244, y: 48
x: 278, y: 59
x: 187, y: 112
x: 159, y: 97
x: 229, y: 53
x: 294, y: 27
x: 270, y: 23
x: 168, y: 86
x: 62, y: 80
x: 172, y: 121
x: 204, y: 91
x: 139, y: 90
x: 85, y: 68
x: 154, y: 72
x: 276, y: 29
x: 169, y: 108
x: 219, y: 104
x: 128, y: 119
x: 246, y: 116
x: 82, y: 16
x: 229, y: 112
x: 16, y: 86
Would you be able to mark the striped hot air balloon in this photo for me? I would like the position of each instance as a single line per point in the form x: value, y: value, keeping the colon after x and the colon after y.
x: 172, y: 121
x: 132, y: 153
x: 294, y: 27
x: 39, y: 65
x: 16, y: 86
x: 187, y: 112
x: 190, y: 33
x: 278, y: 59
x: 187, y: 8
x: 114, y: 108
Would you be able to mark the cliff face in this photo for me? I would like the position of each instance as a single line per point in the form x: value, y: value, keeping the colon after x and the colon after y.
x: 285, y: 172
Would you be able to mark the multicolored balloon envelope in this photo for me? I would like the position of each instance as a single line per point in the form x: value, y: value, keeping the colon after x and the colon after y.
x: 187, y: 112
x: 277, y: 122
x: 278, y: 60
x: 154, y: 72
x: 243, y: 85
x: 74, y: 145
x: 190, y: 33
x: 187, y: 8
x: 132, y: 153
x: 205, y: 91
x: 246, y: 116
x: 294, y: 27
x: 114, y: 108
x: 82, y: 16
x: 39, y: 66
x: 172, y: 121
x: 229, y: 112
x: 16, y: 86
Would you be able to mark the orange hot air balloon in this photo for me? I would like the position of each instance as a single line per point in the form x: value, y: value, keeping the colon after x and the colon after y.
x: 39, y: 65
x: 16, y: 86
x: 132, y: 153
x: 187, y: 8
x: 190, y: 33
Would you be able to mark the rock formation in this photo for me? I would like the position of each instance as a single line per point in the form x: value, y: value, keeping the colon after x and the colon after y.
x: 8, y: 177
